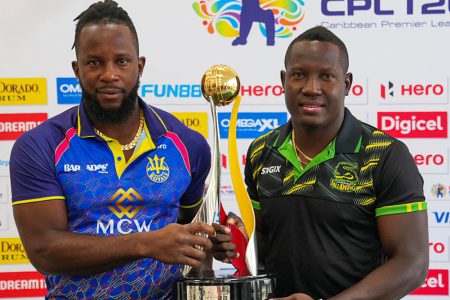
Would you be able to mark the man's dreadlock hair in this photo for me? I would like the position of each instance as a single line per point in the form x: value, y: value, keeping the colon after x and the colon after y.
x: 322, y: 34
x: 102, y: 13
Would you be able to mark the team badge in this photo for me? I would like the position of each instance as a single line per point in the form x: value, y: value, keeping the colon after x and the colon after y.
x: 345, y: 177
x: 157, y: 169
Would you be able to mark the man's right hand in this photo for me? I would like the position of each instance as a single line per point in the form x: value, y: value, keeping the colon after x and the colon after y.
x: 223, y: 249
x: 182, y: 244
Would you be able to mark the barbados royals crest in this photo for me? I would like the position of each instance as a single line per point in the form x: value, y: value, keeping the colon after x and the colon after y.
x: 157, y: 169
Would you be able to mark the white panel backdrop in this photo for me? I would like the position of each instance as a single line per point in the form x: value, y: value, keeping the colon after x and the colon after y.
x: 398, y: 55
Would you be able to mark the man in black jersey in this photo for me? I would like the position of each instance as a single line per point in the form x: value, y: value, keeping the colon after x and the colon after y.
x: 339, y: 205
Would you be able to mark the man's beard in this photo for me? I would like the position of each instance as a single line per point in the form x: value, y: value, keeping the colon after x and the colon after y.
x: 118, y: 115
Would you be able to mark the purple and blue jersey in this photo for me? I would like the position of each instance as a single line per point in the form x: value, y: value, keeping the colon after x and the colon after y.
x: 105, y: 195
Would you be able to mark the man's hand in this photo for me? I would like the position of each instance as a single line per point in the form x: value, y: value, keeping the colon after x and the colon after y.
x: 182, y: 244
x: 298, y: 296
x: 223, y: 249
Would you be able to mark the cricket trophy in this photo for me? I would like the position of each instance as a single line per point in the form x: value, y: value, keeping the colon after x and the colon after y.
x: 220, y: 86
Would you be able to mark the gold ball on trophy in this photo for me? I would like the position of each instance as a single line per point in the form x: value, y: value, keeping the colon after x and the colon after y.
x: 221, y: 84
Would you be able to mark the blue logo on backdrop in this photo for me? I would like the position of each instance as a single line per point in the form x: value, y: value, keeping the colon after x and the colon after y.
x: 69, y: 90
x: 251, y: 124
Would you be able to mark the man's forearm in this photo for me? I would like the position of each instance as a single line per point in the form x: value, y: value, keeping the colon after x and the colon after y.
x: 392, y: 280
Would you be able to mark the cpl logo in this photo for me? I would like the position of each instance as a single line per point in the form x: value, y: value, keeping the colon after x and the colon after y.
x: 124, y: 203
x: 438, y: 190
x: 157, y: 169
x: 234, y: 18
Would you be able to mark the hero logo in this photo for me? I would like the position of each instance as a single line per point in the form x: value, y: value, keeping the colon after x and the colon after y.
x: 390, y: 90
x: 431, y: 163
x: 436, y: 283
x: 69, y: 90
x: 225, y: 162
x: 251, y: 125
x: 380, y: 7
x: 438, y: 251
x: 414, y: 124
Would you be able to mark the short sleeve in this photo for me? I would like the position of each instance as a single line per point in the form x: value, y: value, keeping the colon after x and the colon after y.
x: 398, y: 183
x: 32, y: 171
x: 250, y: 180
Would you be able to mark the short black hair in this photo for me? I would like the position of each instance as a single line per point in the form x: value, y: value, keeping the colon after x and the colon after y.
x: 320, y: 33
x: 102, y: 13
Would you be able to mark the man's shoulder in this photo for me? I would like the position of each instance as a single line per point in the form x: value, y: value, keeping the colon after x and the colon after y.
x: 272, y: 137
x: 54, y: 128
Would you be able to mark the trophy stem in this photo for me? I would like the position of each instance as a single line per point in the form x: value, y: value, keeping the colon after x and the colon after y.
x: 210, y: 208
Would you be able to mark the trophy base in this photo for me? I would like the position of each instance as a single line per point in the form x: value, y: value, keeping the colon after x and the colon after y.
x: 223, y: 285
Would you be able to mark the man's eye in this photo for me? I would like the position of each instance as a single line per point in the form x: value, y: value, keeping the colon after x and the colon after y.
x: 93, y: 63
x: 123, y: 61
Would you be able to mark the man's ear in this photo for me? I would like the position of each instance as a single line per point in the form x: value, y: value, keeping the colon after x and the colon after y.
x: 283, y: 78
x: 348, y: 82
x: 76, y: 69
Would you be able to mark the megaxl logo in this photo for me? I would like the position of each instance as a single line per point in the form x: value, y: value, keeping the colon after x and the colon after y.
x: 384, y: 7
x: 251, y: 125
x: 69, y: 90
x: 234, y: 18
x: 14, y: 125
x: 414, y: 124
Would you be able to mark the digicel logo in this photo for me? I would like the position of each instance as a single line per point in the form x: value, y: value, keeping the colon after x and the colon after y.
x: 435, y: 284
x: 14, y: 125
x: 431, y: 124
x: 22, y: 284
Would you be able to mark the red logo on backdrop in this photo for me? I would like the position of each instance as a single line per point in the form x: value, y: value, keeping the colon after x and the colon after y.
x: 22, y: 284
x: 435, y: 284
x: 431, y: 124
x: 14, y: 125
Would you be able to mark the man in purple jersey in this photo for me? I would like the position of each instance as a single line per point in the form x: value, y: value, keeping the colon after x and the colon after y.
x: 103, y: 193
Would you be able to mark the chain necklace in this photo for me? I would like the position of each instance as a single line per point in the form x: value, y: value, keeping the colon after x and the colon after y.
x: 133, y: 143
x: 297, y: 151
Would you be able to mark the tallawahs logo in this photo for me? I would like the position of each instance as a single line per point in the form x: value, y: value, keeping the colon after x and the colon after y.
x: 234, y: 18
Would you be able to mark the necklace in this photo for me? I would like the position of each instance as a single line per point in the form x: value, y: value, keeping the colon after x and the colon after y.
x: 297, y: 151
x: 134, y: 141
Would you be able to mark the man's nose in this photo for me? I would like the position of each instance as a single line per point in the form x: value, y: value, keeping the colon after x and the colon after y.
x: 109, y: 72
x: 312, y: 86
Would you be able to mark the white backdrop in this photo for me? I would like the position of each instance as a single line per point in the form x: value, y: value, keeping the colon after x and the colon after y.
x: 398, y: 55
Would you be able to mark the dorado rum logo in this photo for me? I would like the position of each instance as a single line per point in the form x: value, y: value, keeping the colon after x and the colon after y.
x: 157, y: 169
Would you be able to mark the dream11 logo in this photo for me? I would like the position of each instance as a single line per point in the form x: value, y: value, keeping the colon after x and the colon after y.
x: 234, y: 18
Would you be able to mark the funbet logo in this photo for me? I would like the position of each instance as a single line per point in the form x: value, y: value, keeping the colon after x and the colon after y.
x: 234, y: 18
x: 384, y: 7
x: 69, y: 90
x: 414, y: 124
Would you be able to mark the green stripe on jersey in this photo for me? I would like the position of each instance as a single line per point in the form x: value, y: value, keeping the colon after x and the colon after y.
x: 400, y: 209
x: 256, y: 205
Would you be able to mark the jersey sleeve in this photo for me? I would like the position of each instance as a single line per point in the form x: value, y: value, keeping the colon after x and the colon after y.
x: 398, y: 183
x: 32, y: 171
x: 250, y: 178
x: 200, y: 164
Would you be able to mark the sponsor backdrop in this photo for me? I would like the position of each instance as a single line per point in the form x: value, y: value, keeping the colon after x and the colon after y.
x: 398, y: 55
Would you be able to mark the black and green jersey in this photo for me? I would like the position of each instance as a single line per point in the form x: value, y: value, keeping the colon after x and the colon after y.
x: 321, y: 221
